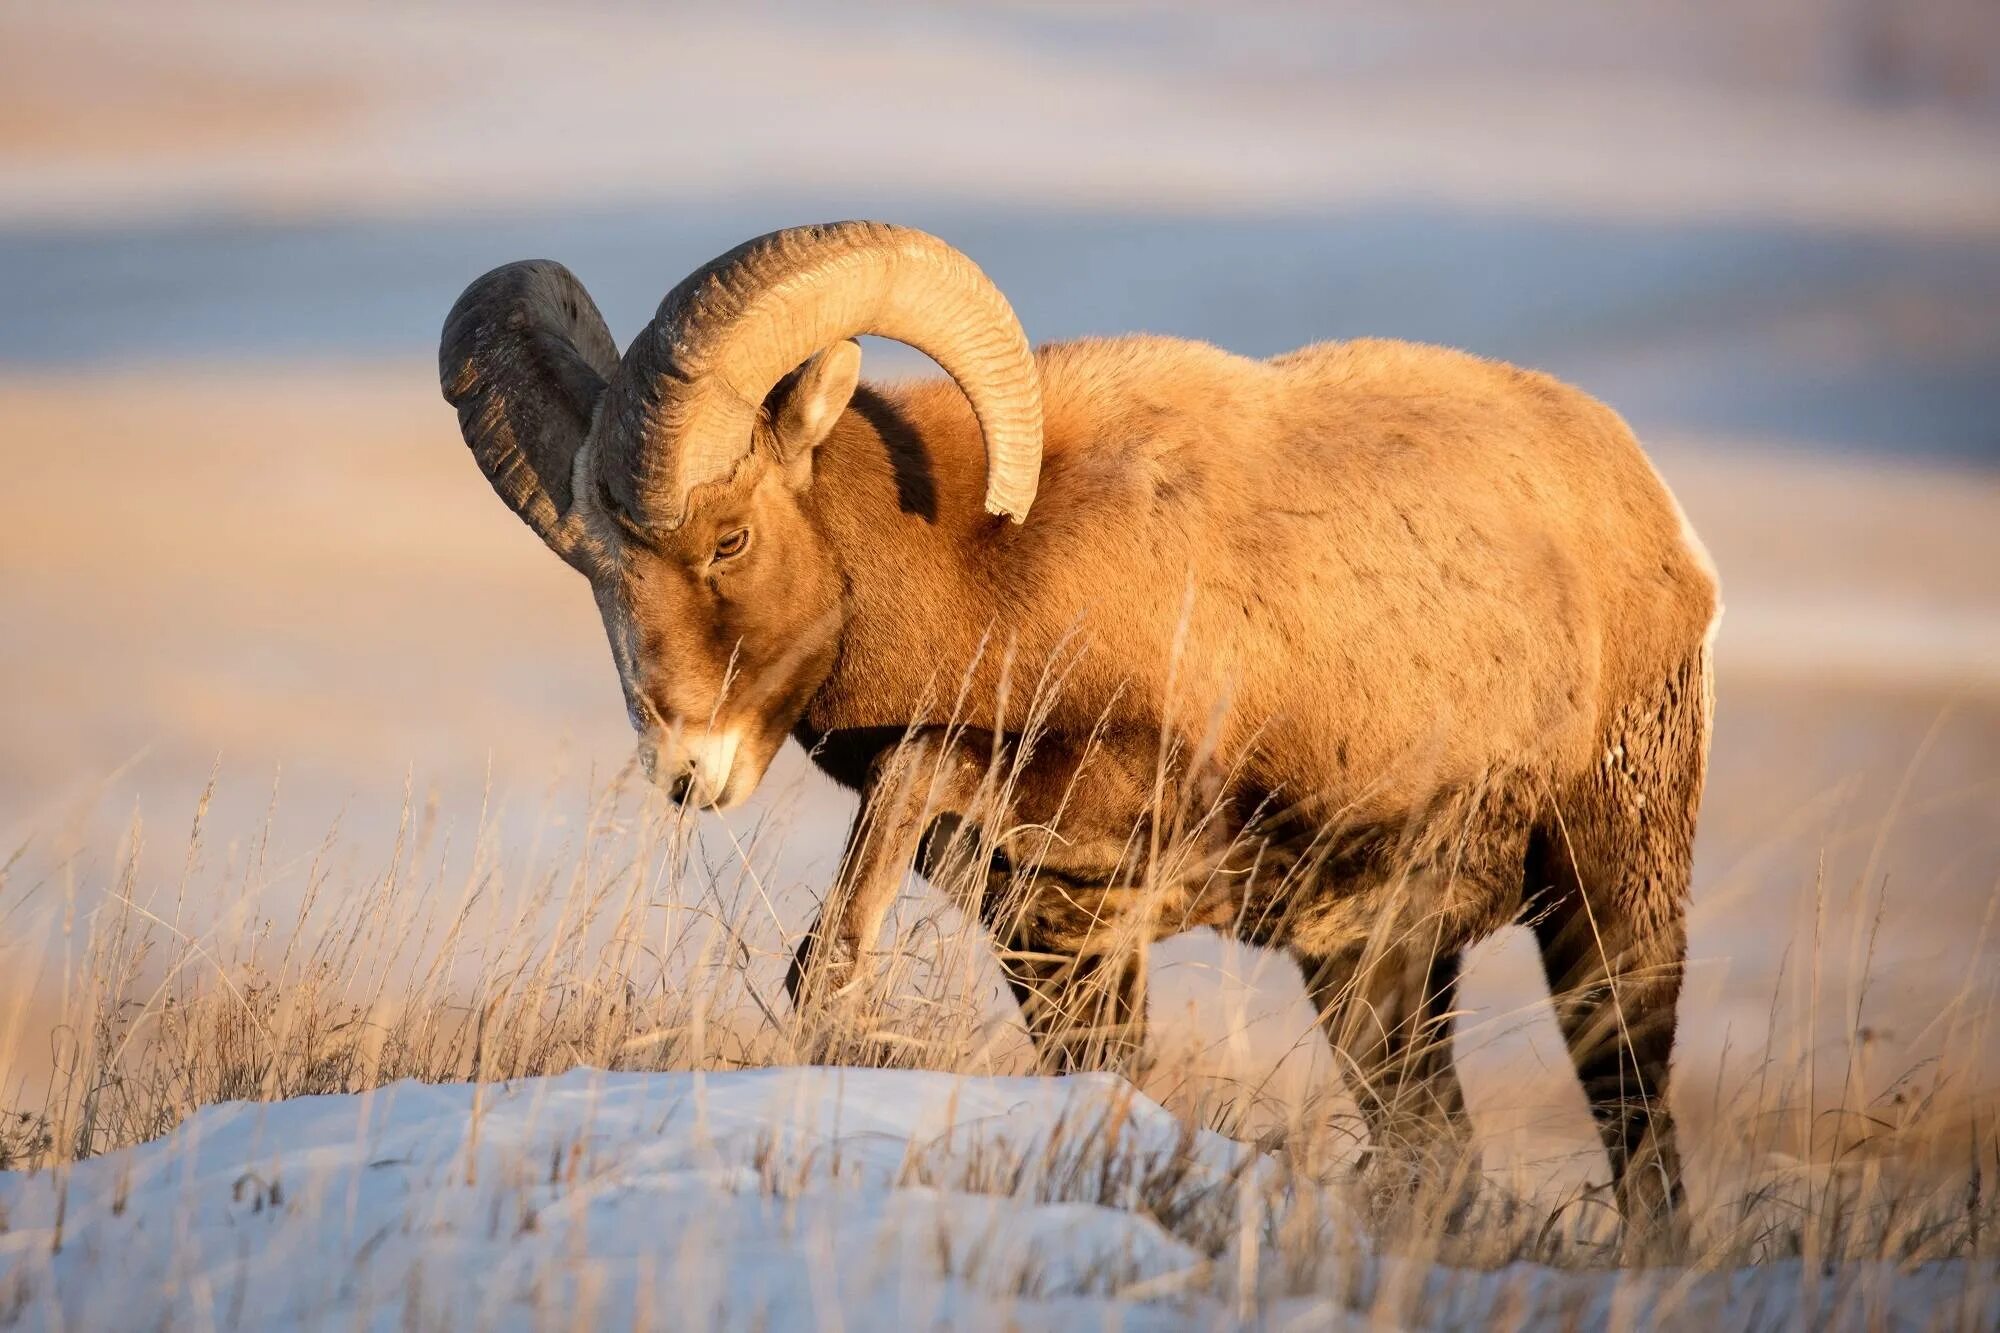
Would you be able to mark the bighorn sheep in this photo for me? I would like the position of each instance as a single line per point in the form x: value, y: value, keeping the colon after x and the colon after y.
x: 1429, y: 628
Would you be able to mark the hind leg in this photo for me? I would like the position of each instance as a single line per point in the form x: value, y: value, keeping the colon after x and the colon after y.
x: 1387, y: 1011
x: 1391, y: 929
x: 1615, y: 978
x: 1607, y: 886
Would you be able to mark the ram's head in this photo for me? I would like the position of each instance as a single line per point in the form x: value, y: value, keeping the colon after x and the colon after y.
x: 679, y: 479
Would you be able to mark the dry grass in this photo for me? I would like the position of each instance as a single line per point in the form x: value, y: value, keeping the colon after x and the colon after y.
x: 619, y: 946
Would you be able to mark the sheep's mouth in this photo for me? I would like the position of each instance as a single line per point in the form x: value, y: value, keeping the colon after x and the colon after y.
x: 704, y: 769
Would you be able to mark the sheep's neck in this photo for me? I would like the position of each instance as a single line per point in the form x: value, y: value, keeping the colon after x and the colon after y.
x: 897, y: 493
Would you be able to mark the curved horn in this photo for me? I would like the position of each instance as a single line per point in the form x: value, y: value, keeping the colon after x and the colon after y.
x: 696, y: 377
x: 524, y: 357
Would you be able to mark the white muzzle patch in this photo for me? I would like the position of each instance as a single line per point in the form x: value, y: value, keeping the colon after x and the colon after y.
x: 693, y: 767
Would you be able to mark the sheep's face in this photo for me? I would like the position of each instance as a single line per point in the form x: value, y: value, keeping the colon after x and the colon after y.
x: 723, y: 626
x: 676, y: 477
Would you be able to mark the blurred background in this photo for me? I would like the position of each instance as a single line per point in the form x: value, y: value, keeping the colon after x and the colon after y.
x: 239, y: 535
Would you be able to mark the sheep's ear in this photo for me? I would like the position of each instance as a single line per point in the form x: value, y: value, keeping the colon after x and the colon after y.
x: 803, y: 406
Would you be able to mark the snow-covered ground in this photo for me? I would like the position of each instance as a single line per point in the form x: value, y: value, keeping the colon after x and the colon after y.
x: 781, y: 1198
x: 793, y: 1198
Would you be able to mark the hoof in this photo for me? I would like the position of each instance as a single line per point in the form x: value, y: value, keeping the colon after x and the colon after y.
x: 821, y: 970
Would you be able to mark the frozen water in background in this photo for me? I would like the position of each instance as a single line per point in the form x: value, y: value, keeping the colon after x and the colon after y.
x: 1805, y: 336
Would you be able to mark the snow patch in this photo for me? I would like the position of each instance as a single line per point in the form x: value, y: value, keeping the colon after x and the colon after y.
x: 781, y: 1198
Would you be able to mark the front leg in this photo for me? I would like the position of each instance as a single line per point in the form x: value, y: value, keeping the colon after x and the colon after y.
x: 1083, y: 1011
x: 1067, y: 893
x: 931, y: 773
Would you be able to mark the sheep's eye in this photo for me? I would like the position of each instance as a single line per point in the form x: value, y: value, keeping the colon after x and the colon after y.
x: 733, y: 544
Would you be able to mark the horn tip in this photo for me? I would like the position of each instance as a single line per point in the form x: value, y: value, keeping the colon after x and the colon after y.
x: 1013, y: 511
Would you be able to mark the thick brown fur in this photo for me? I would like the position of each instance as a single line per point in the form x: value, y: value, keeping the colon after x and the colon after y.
x: 1424, y: 633
x: 1403, y: 569
x: 1436, y: 617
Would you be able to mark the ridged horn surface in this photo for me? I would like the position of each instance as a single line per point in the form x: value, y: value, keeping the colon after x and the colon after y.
x: 523, y: 357
x: 694, y: 379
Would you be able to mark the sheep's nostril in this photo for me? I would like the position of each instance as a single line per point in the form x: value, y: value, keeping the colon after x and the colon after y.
x: 678, y: 788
